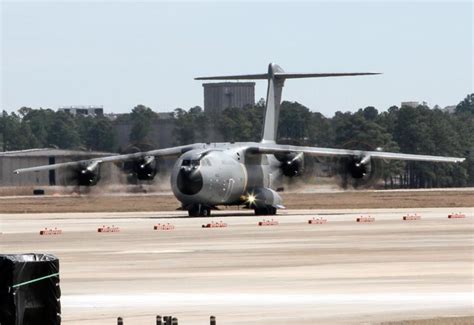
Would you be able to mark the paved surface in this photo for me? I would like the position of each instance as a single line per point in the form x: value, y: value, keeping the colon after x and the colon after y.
x: 338, y: 272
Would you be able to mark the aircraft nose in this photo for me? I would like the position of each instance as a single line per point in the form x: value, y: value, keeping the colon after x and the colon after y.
x: 189, y: 180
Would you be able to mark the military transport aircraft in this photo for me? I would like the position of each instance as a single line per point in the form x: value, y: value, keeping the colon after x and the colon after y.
x: 206, y: 175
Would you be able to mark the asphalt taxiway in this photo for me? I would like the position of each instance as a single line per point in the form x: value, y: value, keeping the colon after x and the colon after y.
x: 338, y: 272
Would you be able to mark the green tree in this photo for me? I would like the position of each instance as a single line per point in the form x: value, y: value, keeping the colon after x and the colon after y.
x: 40, y: 122
x: 63, y: 133
x: 102, y: 136
x: 96, y: 133
x: 295, y: 124
x: 463, y: 122
x: 191, y: 126
x: 467, y: 105
x: 142, y: 118
x: 241, y: 124
x: 12, y: 136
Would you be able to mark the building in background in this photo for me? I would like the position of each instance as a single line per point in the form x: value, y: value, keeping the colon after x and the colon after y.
x: 413, y: 104
x: 221, y: 95
x: 83, y: 110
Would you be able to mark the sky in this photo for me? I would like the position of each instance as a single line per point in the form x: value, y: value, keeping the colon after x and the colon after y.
x: 123, y: 53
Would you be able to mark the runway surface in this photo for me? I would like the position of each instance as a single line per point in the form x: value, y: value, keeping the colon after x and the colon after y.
x: 338, y: 272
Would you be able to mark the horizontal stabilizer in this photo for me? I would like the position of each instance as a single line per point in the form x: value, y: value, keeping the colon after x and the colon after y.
x: 285, y: 75
x: 236, y: 77
x: 322, y: 75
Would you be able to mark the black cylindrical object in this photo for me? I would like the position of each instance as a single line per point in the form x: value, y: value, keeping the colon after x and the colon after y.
x: 158, y: 320
x: 213, y: 320
x: 119, y: 321
x: 174, y: 321
x: 29, y: 289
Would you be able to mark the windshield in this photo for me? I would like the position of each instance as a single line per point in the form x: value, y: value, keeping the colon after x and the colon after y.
x: 187, y: 162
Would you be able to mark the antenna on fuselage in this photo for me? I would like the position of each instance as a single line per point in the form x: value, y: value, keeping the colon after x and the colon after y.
x: 276, y: 78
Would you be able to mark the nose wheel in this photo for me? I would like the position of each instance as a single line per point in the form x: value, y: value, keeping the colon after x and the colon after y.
x: 198, y: 210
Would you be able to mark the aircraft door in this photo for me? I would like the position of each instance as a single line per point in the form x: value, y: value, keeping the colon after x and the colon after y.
x: 228, y: 188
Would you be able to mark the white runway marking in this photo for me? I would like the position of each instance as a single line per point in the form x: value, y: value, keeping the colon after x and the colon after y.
x: 445, y: 299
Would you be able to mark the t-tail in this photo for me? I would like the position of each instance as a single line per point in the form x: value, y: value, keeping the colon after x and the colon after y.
x: 276, y: 78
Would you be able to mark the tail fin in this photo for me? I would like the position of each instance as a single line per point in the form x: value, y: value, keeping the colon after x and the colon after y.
x: 276, y: 79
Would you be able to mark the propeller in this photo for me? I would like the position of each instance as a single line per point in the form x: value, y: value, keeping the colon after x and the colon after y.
x: 83, y: 174
x: 292, y: 164
x: 143, y: 169
x: 358, y: 171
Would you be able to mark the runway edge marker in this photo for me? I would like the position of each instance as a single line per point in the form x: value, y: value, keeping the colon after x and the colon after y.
x: 411, y: 217
x: 213, y: 224
x: 456, y: 216
x: 317, y: 221
x: 164, y: 226
x: 50, y: 231
x: 365, y: 219
x: 108, y: 229
x: 265, y: 222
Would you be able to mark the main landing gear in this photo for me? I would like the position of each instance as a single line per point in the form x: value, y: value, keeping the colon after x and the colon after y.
x: 265, y: 211
x: 199, y: 210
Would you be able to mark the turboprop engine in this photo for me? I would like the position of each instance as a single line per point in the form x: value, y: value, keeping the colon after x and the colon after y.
x: 292, y: 164
x: 145, y: 168
x: 359, y: 171
x: 85, y: 174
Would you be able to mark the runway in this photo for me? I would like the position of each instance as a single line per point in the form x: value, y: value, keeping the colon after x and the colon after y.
x: 338, y: 272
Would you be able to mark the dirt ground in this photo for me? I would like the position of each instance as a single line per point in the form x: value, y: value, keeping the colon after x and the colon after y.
x: 165, y: 201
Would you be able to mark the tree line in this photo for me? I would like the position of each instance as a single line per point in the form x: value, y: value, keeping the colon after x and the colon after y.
x: 417, y: 130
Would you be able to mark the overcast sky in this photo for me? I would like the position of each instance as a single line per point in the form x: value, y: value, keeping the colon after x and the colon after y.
x: 122, y: 53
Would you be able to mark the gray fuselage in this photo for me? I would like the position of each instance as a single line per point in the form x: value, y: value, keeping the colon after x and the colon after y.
x: 222, y: 174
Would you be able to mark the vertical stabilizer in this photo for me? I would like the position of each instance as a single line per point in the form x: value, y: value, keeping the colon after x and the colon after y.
x: 272, y: 106
x: 276, y: 78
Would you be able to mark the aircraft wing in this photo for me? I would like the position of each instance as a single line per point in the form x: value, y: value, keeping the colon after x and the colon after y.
x: 270, y: 148
x: 173, y: 151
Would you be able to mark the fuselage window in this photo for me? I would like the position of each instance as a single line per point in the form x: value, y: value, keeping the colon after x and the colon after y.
x: 195, y: 162
x: 186, y: 162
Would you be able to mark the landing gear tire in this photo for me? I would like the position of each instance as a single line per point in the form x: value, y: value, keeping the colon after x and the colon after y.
x: 266, y: 211
x: 205, y: 212
x: 199, y: 211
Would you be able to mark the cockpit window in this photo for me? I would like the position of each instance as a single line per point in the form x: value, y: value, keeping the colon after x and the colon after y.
x: 193, y: 163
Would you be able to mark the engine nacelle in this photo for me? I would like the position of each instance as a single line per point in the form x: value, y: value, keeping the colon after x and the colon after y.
x: 86, y: 177
x: 85, y: 174
x: 359, y: 171
x: 292, y: 164
x: 145, y: 168
x: 356, y: 168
